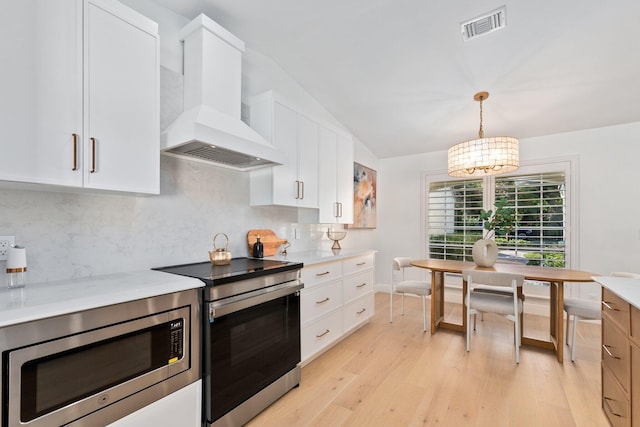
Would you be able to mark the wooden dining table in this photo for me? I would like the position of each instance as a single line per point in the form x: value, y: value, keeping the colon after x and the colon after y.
x: 556, y: 277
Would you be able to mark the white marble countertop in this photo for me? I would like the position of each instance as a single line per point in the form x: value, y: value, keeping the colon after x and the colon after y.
x: 41, y: 300
x: 625, y: 288
x: 318, y: 257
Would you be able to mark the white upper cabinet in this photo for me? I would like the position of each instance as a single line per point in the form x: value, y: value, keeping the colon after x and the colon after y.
x: 80, y: 104
x: 294, y: 183
x: 336, y: 177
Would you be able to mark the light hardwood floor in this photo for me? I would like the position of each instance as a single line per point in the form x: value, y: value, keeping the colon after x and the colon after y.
x: 393, y: 374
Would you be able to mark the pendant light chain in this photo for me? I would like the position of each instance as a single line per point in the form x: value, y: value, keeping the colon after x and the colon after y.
x: 481, y: 131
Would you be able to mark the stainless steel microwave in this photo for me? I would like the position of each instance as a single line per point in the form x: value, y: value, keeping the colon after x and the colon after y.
x: 96, y: 366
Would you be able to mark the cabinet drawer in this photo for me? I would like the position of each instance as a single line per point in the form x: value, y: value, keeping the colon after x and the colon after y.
x: 320, y: 299
x: 616, y: 353
x: 614, y: 401
x: 321, y: 333
x: 635, y: 384
x: 357, y: 285
x: 616, y: 308
x: 352, y: 265
x: 321, y: 273
x: 635, y: 325
x: 358, y: 311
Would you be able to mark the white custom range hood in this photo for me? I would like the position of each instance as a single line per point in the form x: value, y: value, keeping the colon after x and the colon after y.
x: 210, y: 129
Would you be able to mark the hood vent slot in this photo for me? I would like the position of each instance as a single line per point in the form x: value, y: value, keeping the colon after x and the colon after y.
x: 205, y: 152
x: 484, y: 24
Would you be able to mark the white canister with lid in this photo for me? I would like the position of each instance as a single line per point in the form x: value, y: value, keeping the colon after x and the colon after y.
x: 16, y: 266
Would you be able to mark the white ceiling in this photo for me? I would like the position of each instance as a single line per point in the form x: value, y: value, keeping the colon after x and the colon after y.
x: 399, y: 76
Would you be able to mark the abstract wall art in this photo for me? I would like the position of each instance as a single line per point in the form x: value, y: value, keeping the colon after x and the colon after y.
x: 364, y: 197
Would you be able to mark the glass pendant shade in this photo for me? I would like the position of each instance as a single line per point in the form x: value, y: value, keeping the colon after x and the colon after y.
x: 483, y: 156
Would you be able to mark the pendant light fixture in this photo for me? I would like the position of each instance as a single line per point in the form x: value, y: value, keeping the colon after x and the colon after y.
x: 483, y: 156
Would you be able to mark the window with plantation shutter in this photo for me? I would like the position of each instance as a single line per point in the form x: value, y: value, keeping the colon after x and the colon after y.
x: 537, y: 194
x: 453, y: 218
x: 539, y: 204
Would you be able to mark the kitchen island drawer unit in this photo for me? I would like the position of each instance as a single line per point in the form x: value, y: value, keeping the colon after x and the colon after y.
x: 620, y: 350
x: 337, y: 298
x: 616, y: 353
x: 616, y: 309
x: 614, y: 401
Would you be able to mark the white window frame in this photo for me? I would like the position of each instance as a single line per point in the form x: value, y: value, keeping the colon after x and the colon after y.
x: 569, y: 165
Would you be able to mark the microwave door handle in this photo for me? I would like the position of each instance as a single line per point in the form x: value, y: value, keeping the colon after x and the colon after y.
x: 219, y: 310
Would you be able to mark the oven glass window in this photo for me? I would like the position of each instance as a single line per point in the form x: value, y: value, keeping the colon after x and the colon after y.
x: 250, y: 349
x: 54, y: 381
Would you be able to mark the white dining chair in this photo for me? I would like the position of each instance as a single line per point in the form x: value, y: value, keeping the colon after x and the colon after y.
x: 402, y: 286
x: 583, y: 309
x: 506, y: 305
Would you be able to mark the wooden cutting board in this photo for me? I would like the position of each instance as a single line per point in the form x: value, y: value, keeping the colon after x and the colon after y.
x: 269, y: 240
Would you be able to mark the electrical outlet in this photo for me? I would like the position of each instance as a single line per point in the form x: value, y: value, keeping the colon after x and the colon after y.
x: 5, y: 244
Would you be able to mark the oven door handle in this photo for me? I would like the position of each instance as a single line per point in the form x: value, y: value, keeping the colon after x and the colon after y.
x: 231, y: 305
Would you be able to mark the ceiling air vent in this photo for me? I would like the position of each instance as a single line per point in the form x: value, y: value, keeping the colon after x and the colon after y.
x: 484, y: 24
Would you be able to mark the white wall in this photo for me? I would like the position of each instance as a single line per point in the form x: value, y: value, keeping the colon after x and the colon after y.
x: 608, y: 204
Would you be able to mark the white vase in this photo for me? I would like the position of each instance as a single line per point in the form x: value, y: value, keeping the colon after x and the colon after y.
x: 485, y: 252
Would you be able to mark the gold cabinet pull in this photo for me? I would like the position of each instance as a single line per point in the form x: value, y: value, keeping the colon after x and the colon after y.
x: 322, y: 274
x: 611, y: 355
x: 609, y: 408
x: 360, y: 264
x: 297, y: 190
x: 361, y: 311
x: 75, y: 152
x: 323, y: 334
x: 322, y: 300
x: 93, y: 155
x: 361, y: 285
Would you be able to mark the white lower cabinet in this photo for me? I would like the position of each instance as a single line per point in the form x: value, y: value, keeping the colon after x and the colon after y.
x: 338, y: 297
x: 181, y: 408
x: 357, y: 312
x: 317, y: 335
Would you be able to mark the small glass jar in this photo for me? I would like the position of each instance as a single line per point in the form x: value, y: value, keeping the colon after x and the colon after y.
x: 16, y: 267
x: 16, y: 279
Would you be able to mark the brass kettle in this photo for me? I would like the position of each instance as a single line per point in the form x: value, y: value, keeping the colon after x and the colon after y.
x: 220, y: 256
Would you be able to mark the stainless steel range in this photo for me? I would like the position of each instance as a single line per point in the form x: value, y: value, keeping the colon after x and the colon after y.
x: 251, y: 335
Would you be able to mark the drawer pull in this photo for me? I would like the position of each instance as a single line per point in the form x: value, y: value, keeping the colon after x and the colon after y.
x: 322, y: 301
x: 322, y: 274
x: 606, y: 348
x: 75, y: 152
x: 323, y: 334
x: 606, y: 400
x: 361, y: 285
x: 93, y: 155
x: 361, y: 263
x: 606, y: 304
x: 361, y: 311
